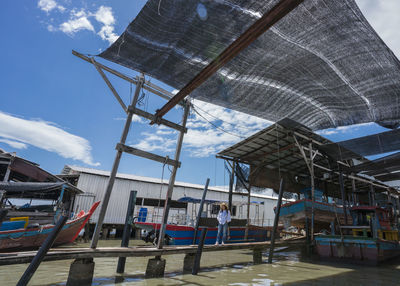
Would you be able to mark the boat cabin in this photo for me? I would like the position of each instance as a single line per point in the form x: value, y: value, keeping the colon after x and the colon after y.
x: 373, y: 221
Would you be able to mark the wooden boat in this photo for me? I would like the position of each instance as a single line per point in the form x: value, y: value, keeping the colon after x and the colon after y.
x: 372, y: 238
x: 182, y: 232
x: 183, y: 235
x: 295, y: 213
x: 32, y: 238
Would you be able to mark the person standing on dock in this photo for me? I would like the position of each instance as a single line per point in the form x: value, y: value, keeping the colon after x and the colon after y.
x: 224, y: 217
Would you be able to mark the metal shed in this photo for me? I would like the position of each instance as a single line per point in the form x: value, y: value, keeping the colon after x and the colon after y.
x: 94, y: 182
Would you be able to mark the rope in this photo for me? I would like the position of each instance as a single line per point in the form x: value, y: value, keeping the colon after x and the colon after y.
x: 161, y: 185
x: 159, y: 5
x: 16, y: 239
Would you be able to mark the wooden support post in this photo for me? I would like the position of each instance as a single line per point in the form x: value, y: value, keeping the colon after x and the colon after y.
x: 197, y: 259
x: 353, y: 188
x: 114, y: 170
x: 127, y: 229
x: 188, y: 262
x: 308, y: 236
x: 246, y: 232
x: 172, y: 179
x: 5, y: 179
x: 196, y: 228
x: 343, y: 194
x: 375, y: 226
x: 105, y: 233
x: 33, y: 266
x: 155, y: 267
x: 372, y: 195
x: 312, y: 191
x: 257, y: 256
x: 3, y: 214
x: 147, y: 85
x: 110, y: 86
x: 276, y: 221
x: 81, y: 272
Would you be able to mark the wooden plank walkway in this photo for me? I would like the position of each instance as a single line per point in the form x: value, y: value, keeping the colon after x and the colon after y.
x: 137, y: 251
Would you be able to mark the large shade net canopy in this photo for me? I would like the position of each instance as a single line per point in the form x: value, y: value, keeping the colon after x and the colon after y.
x: 322, y: 65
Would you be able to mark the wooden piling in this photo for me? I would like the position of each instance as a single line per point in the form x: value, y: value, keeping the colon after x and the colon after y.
x: 33, y: 266
x: 257, y: 256
x: 343, y: 195
x: 127, y: 229
x: 196, y: 228
x: 155, y: 267
x: 196, y: 265
x: 276, y: 221
x: 188, y: 262
x: 81, y: 272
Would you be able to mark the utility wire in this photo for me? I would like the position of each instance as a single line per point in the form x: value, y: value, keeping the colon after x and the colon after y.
x: 232, y: 124
x: 217, y: 127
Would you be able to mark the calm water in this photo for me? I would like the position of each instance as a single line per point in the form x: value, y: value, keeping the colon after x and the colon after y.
x: 217, y: 268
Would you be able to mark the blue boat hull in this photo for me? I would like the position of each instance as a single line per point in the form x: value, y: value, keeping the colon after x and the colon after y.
x: 356, y: 249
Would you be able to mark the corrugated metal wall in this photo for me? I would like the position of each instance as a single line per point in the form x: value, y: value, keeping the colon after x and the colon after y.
x: 94, y: 187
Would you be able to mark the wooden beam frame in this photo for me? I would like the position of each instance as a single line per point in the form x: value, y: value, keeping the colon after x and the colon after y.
x: 147, y: 155
x: 249, y: 36
x: 146, y: 84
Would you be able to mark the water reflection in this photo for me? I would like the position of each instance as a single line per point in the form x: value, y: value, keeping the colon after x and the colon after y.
x: 218, y: 268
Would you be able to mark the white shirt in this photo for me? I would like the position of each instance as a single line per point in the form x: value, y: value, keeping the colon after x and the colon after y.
x: 224, y: 217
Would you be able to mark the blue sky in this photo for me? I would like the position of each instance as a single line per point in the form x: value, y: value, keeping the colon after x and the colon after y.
x: 56, y: 110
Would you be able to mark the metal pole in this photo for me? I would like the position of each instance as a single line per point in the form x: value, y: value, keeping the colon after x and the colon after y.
x: 114, y: 170
x: 276, y: 221
x: 342, y: 191
x: 196, y: 228
x: 127, y: 229
x: 196, y: 264
x: 33, y: 266
x: 172, y: 179
x: 312, y: 191
x: 231, y: 179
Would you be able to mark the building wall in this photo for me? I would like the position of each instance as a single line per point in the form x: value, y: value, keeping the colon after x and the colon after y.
x: 94, y: 186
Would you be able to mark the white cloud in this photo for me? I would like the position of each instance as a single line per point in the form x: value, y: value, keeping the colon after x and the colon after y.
x: 14, y: 144
x: 77, y: 22
x: 105, y: 15
x: 81, y: 19
x: 44, y: 135
x: 343, y: 129
x: 135, y: 118
x: 152, y: 142
x: 217, y: 128
x: 106, y: 33
x: 383, y: 15
x: 49, y: 5
x: 51, y: 28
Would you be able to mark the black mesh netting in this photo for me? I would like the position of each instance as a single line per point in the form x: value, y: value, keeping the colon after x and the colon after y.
x: 380, y: 143
x: 322, y: 65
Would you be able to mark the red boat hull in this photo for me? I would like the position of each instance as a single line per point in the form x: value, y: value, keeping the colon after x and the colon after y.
x: 24, y: 239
